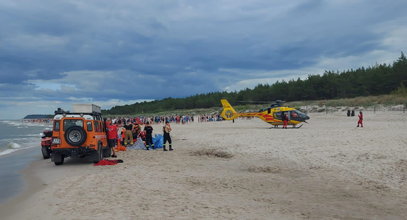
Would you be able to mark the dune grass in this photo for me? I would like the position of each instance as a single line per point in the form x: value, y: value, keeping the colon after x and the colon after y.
x: 364, y: 101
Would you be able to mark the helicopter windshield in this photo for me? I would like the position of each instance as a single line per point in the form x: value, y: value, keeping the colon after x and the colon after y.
x: 292, y: 115
x: 298, y: 116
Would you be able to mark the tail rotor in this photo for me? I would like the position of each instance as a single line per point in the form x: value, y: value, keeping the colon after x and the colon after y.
x: 228, y: 112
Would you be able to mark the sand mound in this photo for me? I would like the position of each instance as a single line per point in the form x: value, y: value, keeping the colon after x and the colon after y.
x: 212, y: 153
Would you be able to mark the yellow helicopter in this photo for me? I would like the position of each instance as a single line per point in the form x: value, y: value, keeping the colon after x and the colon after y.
x: 272, y: 115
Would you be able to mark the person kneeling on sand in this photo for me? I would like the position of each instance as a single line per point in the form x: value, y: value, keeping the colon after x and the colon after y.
x: 167, y: 129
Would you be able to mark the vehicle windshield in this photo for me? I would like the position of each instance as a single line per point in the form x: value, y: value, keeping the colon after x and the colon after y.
x: 72, y: 122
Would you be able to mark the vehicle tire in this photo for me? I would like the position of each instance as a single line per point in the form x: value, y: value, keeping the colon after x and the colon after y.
x: 100, y: 151
x: 98, y: 155
x: 75, y: 136
x: 58, y: 159
x: 107, y: 152
x: 45, y: 152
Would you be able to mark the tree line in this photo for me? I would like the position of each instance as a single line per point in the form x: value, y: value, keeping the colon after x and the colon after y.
x: 374, y: 80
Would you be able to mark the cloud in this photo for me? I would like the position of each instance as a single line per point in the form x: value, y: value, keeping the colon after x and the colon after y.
x: 131, y: 50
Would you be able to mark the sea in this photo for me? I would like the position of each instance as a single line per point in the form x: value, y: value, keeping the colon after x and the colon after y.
x: 20, y: 145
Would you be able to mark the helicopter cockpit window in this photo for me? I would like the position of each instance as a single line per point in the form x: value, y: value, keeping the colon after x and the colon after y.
x: 297, y: 115
x: 278, y: 115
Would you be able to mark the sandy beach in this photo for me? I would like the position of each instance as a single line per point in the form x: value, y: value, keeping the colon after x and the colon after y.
x: 328, y: 169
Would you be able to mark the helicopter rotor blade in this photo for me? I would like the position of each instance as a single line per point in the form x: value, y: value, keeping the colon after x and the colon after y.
x: 261, y: 102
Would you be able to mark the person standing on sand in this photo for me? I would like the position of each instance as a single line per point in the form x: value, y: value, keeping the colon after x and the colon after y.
x: 149, y: 136
x: 285, y: 120
x: 128, y: 140
x: 111, y: 136
x: 121, y: 131
x: 136, y: 130
x: 360, y: 122
x: 167, y: 129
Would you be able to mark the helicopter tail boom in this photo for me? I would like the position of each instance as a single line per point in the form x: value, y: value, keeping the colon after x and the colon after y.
x: 228, y: 112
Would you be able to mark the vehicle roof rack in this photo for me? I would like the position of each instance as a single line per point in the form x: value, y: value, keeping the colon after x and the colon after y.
x: 86, y: 113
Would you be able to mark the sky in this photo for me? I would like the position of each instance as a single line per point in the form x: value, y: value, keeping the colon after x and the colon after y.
x: 56, y: 53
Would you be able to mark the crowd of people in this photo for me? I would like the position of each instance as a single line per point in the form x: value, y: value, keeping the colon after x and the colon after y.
x: 125, y: 131
x: 178, y: 119
x: 210, y: 117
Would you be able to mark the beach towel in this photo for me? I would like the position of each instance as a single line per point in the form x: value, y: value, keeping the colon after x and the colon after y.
x: 107, y: 162
x: 138, y: 145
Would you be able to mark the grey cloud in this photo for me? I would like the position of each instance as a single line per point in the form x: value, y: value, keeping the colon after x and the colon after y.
x: 155, y: 49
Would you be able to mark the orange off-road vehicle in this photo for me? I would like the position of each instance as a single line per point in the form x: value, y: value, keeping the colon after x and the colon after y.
x: 79, y: 133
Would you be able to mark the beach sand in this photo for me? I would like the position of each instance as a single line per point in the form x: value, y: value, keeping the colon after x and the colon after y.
x: 328, y: 169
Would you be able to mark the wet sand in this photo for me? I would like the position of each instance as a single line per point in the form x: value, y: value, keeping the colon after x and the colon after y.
x: 328, y: 169
x: 11, y: 181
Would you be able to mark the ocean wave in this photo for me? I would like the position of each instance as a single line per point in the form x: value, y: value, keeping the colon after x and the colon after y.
x: 21, y: 139
x: 32, y: 135
x: 24, y: 136
x: 11, y: 147
x: 7, y: 151
x: 21, y: 124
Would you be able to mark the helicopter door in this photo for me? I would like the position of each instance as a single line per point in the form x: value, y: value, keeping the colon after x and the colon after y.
x: 278, y: 115
x: 268, y: 110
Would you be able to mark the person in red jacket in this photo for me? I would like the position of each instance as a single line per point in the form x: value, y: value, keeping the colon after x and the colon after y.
x: 360, y: 122
x: 285, y: 120
x: 111, y: 136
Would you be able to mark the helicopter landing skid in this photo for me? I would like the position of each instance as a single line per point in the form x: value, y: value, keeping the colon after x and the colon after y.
x: 276, y: 127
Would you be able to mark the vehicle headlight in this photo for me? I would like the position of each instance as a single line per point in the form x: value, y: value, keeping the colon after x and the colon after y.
x: 56, y: 141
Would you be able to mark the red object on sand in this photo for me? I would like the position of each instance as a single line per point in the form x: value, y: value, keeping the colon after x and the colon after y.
x: 106, y: 162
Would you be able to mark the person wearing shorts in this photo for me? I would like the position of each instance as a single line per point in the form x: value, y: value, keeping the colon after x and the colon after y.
x: 167, y: 129
x: 111, y: 137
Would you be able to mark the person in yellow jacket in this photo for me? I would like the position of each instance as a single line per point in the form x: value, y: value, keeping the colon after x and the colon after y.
x: 128, y: 140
